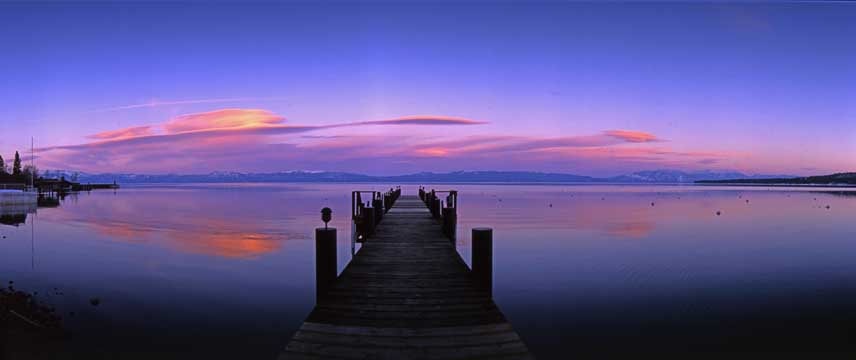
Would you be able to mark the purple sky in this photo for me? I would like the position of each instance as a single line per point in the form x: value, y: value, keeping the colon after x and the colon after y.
x: 586, y: 88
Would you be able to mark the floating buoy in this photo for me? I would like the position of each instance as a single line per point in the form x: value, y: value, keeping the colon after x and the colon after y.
x: 718, y: 213
x: 652, y: 204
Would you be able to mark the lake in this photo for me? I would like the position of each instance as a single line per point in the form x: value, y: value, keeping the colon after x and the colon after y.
x: 225, y: 270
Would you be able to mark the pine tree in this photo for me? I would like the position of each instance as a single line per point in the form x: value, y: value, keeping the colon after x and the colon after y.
x: 2, y: 165
x: 16, y: 166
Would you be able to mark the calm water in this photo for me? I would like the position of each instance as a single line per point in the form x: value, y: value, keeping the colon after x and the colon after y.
x: 227, y: 269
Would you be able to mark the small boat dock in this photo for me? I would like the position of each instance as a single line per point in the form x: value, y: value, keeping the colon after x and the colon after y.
x: 407, y: 293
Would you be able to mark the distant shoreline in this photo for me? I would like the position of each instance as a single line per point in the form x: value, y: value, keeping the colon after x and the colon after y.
x: 506, y: 183
x: 753, y: 184
x: 839, y: 179
x: 654, y: 177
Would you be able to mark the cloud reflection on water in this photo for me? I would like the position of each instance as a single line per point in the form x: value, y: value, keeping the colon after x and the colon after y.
x: 218, y: 225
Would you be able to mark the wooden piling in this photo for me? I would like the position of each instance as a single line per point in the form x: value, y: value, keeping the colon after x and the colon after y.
x: 369, y: 220
x: 450, y: 221
x: 437, y: 207
x: 482, y: 246
x: 325, y: 260
x: 377, y: 205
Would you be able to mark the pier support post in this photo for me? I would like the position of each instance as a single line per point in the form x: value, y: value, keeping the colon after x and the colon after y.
x: 325, y: 260
x: 482, y: 243
x: 377, y: 204
x: 450, y: 220
x: 370, y: 220
x: 437, y: 207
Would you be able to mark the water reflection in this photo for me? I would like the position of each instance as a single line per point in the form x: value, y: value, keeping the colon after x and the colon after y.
x: 216, y: 224
x: 630, y: 229
x: 567, y: 276
x: 15, y: 215
x: 51, y: 201
x: 165, y: 259
x: 635, y: 211
x: 13, y: 219
x: 582, y: 267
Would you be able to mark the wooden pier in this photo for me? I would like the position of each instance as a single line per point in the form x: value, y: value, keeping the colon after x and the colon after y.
x: 407, y: 294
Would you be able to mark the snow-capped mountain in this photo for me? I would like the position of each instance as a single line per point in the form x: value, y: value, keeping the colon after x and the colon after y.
x: 655, y: 176
x: 677, y: 176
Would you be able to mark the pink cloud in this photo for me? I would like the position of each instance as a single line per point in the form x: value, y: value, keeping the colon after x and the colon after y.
x: 123, y: 133
x: 504, y: 144
x: 632, y: 136
x: 211, y: 141
x: 423, y: 120
x: 223, y: 120
x: 522, y: 144
x: 567, y: 154
x: 259, y: 140
x: 434, y: 151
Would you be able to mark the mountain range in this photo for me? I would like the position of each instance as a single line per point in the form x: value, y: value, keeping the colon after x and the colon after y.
x: 654, y: 176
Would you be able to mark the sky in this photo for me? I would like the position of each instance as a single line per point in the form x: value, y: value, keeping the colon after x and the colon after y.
x: 391, y: 88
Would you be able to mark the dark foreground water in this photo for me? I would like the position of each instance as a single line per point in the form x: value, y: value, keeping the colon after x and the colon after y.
x: 226, y: 270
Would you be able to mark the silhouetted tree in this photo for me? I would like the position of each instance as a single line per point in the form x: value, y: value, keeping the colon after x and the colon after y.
x: 16, y: 166
x: 2, y: 165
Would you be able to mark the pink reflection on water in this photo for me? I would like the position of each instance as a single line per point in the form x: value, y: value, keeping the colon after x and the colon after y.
x: 640, y: 211
x: 223, y: 223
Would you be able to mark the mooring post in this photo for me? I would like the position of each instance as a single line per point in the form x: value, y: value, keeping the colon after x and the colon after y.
x: 450, y: 215
x: 387, y: 201
x: 450, y: 219
x: 377, y: 204
x: 370, y: 220
x: 360, y: 221
x: 482, y: 243
x: 325, y: 260
x: 437, y: 207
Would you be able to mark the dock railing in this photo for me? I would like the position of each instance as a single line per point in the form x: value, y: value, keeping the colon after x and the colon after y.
x: 366, y: 215
x: 445, y: 210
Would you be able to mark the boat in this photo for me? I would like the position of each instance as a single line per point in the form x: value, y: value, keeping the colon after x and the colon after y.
x: 17, y: 197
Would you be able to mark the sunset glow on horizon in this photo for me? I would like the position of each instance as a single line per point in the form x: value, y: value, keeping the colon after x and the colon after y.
x: 383, y: 89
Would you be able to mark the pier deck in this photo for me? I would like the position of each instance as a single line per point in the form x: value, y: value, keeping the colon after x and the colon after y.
x: 406, y: 294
